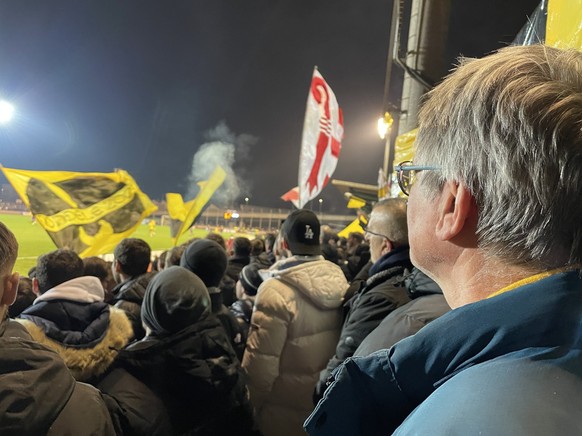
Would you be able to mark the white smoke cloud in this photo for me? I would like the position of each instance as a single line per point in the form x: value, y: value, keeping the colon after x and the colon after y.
x: 226, y: 149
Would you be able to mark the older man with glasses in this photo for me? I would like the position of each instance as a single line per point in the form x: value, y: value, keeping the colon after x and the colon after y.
x: 494, y: 219
x: 384, y: 291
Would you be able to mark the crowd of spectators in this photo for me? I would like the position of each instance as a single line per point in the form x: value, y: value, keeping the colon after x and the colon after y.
x: 303, y: 329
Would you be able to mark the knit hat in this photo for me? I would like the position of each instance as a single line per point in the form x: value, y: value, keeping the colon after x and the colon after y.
x: 301, y: 231
x: 174, y: 299
x: 207, y: 260
x: 250, y: 279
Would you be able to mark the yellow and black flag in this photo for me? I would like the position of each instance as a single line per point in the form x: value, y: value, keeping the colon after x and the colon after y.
x: 89, y: 213
x: 183, y: 215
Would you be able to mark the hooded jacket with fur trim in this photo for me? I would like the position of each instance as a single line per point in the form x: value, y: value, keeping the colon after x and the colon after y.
x: 294, y: 329
x: 73, y: 320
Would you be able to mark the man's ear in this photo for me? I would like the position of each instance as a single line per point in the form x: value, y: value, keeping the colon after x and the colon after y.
x: 387, y: 246
x: 456, y: 206
x: 35, y: 287
x: 10, y: 289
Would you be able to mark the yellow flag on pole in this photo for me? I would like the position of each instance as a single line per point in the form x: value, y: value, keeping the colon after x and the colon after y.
x: 355, y: 203
x: 354, y: 226
x: 193, y: 208
x: 89, y: 213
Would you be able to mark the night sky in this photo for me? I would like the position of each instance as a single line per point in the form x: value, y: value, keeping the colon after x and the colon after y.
x: 139, y: 85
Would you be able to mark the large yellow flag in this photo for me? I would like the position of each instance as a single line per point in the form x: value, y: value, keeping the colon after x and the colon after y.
x: 185, y: 214
x: 564, y: 24
x: 89, y: 213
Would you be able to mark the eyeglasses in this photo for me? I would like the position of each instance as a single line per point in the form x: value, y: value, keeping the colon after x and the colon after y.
x: 406, y: 173
x: 366, y: 231
x: 364, y: 227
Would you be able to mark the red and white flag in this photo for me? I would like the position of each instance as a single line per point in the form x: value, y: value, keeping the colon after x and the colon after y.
x: 292, y: 195
x: 323, y: 131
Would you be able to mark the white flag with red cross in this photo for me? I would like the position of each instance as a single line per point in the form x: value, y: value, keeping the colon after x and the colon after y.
x: 323, y: 131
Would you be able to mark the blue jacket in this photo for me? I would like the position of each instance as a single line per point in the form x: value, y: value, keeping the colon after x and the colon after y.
x: 484, y: 360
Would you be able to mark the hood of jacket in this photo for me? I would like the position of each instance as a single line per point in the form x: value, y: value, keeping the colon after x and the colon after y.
x: 133, y: 289
x: 36, y: 384
x: 87, y: 336
x: 321, y: 281
x: 71, y: 323
x: 86, y: 289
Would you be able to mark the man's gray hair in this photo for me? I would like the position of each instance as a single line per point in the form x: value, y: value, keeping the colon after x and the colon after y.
x: 390, y: 216
x: 509, y: 126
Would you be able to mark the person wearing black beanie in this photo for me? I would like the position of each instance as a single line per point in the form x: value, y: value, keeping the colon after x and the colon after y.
x: 187, y: 360
x: 174, y: 301
x: 208, y: 260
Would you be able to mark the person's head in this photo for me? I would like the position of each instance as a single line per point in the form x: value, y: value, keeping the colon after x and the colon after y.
x: 162, y: 260
x: 8, y: 279
x: 328, y: 236
x: 504, y: 133
x: 387, y: 228
x: 100, y: 268
x: 217, y: 237
x: 131, y: 258
x: 32, y: 272
x: 174, y: 299
x: 354, y: 239
x: 241, y: 247
x: 249, y: 281
x: 300, y: 233
x: 207, y: 260
x: 56, y: 267
x: 257, y: 247
x: 174, y: 256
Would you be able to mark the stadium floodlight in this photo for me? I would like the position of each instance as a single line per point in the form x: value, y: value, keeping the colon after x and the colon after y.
x: 6, y: 112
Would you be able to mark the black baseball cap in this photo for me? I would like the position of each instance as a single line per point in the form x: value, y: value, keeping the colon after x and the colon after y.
x: 301, y: 231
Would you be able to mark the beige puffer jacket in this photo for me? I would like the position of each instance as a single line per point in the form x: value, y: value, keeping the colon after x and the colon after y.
x: 294, y: 330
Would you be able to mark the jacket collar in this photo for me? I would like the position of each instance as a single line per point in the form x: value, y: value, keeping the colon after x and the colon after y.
x: 398, y: 256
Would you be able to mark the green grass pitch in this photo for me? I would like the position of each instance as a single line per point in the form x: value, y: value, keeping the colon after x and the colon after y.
x: 34, y: 241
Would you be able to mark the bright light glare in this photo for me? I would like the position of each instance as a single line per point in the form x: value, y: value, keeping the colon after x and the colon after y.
x: 382, y: 128
x: 384, y: 124
x: 6, y: 112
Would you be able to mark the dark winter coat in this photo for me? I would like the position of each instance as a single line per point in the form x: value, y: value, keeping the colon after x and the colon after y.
x: 128, y: 296
x: 243, y: 311
x: 509, y: 364
x: 427, y: 304
x: 263, y: 260
x: 231, y: 325
x: 134, y: 408
x: 228, y: 283
x: 383, y: 292
x: 196, y: 374
x: 39, y: 394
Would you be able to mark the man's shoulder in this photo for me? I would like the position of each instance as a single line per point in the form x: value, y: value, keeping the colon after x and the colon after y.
x: 529, y: 392
x: 133, y: 289
x: 387, y: 284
